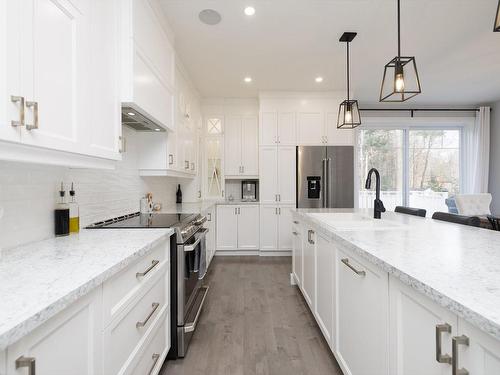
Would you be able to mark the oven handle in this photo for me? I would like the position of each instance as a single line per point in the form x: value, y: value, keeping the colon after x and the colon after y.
x: 203, y: 233
x: 191, y: 327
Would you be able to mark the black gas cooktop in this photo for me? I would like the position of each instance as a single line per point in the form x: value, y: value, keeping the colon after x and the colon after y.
x: 138, y: 220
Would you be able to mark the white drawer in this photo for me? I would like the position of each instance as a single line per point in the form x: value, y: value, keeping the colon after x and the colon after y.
x: 118, y: 291
x: 150, y: 360
x: 131, y: 326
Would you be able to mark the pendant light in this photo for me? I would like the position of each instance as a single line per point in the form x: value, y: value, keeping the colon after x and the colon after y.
x: 401, y: 81
x: 496, y: 28
x: 349, y: 117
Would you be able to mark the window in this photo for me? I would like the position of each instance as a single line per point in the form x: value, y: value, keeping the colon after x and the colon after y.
x: 419, y: 167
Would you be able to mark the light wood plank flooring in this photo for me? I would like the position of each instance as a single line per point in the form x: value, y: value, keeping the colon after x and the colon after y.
x: 254, y: 322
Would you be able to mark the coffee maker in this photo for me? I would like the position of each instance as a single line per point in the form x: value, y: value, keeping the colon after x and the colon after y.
x: 249, y: 191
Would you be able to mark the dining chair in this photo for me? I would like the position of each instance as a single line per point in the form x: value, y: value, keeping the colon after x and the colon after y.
x: 411, y: 211
x: 472, y: 221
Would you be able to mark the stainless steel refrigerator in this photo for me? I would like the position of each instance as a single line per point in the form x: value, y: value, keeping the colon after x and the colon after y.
x: 325, y: 177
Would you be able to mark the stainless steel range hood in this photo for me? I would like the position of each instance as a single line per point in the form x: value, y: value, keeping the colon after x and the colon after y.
x: 137, y: 121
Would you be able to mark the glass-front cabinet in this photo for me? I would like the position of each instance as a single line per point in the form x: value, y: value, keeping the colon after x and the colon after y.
x: 214, y: 157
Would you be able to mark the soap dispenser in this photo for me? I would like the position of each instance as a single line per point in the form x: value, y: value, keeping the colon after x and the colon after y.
x: 61, y: 215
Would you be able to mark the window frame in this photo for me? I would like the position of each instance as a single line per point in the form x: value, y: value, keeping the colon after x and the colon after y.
x: 462, y: 124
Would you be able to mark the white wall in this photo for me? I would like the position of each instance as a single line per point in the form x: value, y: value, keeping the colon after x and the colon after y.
x: 494, y: 182
x: 28, y: 194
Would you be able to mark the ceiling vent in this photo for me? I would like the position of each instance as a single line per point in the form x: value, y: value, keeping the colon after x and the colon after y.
x: 210, y: 17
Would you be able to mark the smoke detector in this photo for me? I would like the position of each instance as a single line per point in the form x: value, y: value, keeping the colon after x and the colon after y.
x: 210, y: 17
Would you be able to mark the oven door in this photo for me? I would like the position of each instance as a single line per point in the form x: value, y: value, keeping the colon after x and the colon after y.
x: 191, y: 290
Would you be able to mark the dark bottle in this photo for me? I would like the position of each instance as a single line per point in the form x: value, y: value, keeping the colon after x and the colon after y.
x: 61, y: 215
x: 178, y: 195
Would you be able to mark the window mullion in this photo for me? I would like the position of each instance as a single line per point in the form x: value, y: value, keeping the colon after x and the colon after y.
x: 406, y: 166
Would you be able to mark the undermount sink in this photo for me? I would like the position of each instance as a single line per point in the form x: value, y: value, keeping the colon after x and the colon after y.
x: 354, y: 221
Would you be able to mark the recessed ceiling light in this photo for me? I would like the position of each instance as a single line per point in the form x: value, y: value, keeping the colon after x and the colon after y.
x: 249, y: 11
x: 131, y: 113
x: 210, y: 17
x: 157, y: 130
x: 247, y: 79
x: 319, y: 79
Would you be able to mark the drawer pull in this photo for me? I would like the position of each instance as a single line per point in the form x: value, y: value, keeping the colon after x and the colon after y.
x: 295, y: 233
x: 458, y: 340
x: 28, y: 362
x: 155, y: 306
x: 442, y: 358
x: 357, y: 272
x: 155, y: 359
x: 154, y: 263
x: 295, y: 222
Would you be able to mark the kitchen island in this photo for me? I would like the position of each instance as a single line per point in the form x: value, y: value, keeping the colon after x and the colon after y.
x: 402, y: 289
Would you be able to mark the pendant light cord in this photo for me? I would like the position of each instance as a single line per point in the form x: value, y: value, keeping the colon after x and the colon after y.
x: 399, y: 28
x: 348, y: 83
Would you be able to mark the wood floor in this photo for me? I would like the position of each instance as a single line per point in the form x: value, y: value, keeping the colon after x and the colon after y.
x: 254, y: 322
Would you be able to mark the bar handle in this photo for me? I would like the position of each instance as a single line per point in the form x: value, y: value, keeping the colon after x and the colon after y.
x: 20, y: 100
x: 455, y: 341
x: 170, y: 159
x: 155, y: 306
x: 29, y: 362
x: 440, y: 328
x: 155, y: 359
x: 310, y: 234
x: 356, y: 271
x: 33, y: 105
x: 209, y: 216
x: 154, y: 263
x: 295, y: 233
x: 295, y: 222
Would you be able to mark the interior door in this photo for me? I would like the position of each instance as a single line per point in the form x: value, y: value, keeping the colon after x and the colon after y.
x: 53, y: 72
x: 340, y: 177
x: 10, y: 80
x: 232, y: 142
x: 268, y: 172
x: 250, y: 146
x: 286, y: 174
x: 248, y: 227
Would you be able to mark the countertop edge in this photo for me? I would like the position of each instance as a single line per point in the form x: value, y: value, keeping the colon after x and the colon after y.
x: 464, y: 312
x: 23, y: 329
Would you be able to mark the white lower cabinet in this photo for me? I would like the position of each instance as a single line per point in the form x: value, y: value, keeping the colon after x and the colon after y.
x: 237, y: 227
x: 122, y: 327
x: 69, y: 343
x: 414, y: 323
x: 325, y: 287
x: 363, y: 316
x: 276, y: 228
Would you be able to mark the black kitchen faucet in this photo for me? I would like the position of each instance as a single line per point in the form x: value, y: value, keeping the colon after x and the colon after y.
x: 378, y: 205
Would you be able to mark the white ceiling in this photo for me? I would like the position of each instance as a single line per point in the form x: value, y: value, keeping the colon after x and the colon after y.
x: 287, y: 43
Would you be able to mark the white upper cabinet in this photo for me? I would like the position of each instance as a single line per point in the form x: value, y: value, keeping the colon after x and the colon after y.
x: 277, y: 175
x: 268, y: 128
x: 311, y: 126
x: 286, y: 175
x: 241, y: 146
x: 337, y: 137
x: 287, y: 129
x: 147, y: 71
x: 11, y: 103
x: 278, y: 128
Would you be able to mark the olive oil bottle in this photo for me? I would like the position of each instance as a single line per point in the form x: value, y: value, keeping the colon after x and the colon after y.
x: 61, y: 215
x: 74, y: 212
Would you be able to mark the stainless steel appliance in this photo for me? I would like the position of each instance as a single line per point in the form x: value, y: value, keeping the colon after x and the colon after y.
x: 249, y: 190
x: 325, y: 177
x: 188, y: 290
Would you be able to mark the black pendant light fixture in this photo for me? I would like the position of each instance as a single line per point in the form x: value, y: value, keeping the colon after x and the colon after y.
x: 401, y: 81
x: 496, y: 28
x: 349, y: 117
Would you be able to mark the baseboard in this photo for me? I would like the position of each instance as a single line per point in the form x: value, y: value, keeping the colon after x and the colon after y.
x: 286, y: 253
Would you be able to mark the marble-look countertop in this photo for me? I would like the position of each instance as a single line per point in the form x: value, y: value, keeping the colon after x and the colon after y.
x: 41, y: 279
x: 456, y: 266
x: 199, y: 207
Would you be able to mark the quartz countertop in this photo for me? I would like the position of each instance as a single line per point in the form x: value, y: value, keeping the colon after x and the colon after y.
x: 39, y: 280
x: 456, y: 266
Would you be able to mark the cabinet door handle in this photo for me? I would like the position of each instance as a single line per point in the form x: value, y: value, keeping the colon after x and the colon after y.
x: 192, y: 166
x: 455, y: 341
x: 279, y: 210
x: 155, y: 359
x: 242, y: 169
x: 295, y: 222
x: 170, y: 159
x: 20, y: 100
x: 357, y: 272
x: 279, y: 197
x: 155, y: 306
x: 440, y: 328
x: 29, y: 362
x: 186, y: 164
x: 123, y: 143
x: 154, y: 263
x: 295, y: 233
x: 209, y: 218
x: 33, y: 105
x: 310, y: 234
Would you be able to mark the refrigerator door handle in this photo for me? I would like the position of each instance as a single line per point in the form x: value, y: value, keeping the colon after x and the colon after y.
x: 328, y: 182
x: 325, y: 185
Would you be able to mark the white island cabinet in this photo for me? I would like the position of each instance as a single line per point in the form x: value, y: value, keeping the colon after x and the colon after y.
x: 380, y: 321
x: 121, y: 327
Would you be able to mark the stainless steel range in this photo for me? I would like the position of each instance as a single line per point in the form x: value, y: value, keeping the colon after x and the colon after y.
x: 188, y: 290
